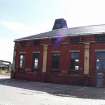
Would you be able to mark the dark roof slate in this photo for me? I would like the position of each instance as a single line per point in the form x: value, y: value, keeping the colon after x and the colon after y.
x: 76, y: 31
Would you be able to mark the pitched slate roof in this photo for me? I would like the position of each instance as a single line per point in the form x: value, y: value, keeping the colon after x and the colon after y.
x: 76, y: 31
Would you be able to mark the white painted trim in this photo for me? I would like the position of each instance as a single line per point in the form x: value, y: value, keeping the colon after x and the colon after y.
x: 55, y: 51
x: 44, y: 58
x: 36, y: 52
x: 97, y: 50
x: 74, y: 51
x: 86, y: 59
x: 22, y: 52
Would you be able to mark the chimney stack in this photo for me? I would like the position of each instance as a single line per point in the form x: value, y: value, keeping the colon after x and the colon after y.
x: 60, y: 23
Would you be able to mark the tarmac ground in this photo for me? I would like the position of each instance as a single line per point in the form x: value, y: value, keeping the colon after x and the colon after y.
x: 21, y: 92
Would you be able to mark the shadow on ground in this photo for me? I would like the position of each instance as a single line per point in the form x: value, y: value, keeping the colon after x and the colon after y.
x: 56, y: 89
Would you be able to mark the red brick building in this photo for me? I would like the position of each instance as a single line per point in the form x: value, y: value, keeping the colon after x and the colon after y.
x: 64, y: 55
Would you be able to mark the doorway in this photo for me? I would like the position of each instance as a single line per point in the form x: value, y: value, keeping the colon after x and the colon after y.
x: 100, y: 68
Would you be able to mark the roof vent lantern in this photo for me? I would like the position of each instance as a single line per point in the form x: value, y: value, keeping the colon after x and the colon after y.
x: 60, y: 23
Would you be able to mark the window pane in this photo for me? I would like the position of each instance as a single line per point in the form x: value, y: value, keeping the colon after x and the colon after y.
x: 36, y: 61
x: 36, y: 65
x: 75, y: 55
x: 76, y: 67
x: 22, y: 61
x: 100, y: 38
x: 21, y: 57
x: 100, y: 60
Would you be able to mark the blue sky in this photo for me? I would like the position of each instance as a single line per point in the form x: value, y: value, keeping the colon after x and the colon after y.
x: 20, y: 18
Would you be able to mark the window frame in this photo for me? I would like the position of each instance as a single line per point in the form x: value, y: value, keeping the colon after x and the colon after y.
x: 22, y: 61
x: 55, y: 69
x: 75, y: 63
x: 33, y: 61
